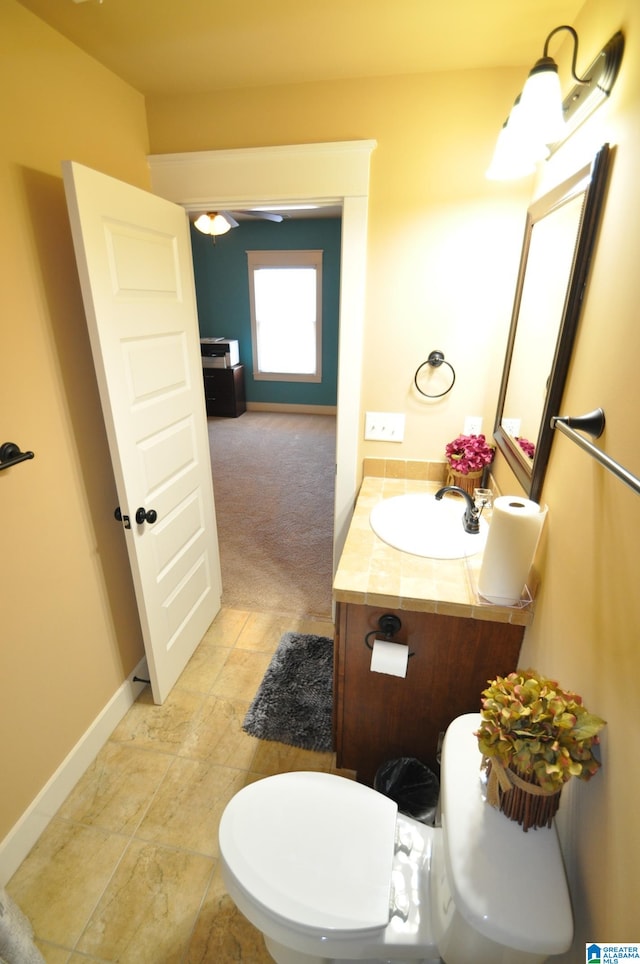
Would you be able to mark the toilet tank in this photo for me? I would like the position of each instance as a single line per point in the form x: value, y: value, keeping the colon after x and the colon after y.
x: 498, y: 894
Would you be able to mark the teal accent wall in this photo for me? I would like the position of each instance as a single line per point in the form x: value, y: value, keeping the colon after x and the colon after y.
x: 222, y: 292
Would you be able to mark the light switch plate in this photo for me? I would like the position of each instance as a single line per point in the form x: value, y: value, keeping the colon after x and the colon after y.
x: 384, y: 426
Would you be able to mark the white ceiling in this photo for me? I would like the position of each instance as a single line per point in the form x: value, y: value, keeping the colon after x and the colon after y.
x: 188, y: 46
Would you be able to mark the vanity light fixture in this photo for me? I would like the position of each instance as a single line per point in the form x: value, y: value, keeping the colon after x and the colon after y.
x: 541, y: 99
x: 540, y: 120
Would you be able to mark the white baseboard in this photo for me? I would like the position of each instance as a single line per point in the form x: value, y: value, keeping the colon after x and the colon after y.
x: 24, y: 834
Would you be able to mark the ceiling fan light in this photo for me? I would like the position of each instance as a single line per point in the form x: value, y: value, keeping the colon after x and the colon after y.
x: 212, y: 223
x: 541, y: 102
x: 219, y: 224
x: 203, y: 224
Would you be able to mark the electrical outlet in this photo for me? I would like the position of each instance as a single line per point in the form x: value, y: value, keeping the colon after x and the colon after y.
x: 473, y: 425
x: 384, y: 426
x: 511, y: 426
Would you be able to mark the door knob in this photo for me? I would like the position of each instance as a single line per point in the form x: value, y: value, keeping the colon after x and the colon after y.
x: 122, y: 518
x: 143, y: 515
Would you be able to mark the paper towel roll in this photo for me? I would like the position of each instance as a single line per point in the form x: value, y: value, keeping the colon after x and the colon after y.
x: 389, y: 658
x: 514, y: 531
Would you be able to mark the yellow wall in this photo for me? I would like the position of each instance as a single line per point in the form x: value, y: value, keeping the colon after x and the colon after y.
x: 443, y: 250
x: 586, y: 630
x: 69, y: 630
x: 444, y: 242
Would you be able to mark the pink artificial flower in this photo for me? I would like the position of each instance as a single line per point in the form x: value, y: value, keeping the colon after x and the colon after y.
x: 527, y: 447
x: 469, y: 453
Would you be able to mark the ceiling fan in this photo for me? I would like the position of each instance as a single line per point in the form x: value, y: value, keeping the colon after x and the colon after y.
x: 219, y: 222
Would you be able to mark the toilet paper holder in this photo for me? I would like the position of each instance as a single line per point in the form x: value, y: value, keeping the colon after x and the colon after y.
x: 389, y: 625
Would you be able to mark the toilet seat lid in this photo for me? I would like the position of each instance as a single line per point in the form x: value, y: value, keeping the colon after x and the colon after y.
x: 313, y: 848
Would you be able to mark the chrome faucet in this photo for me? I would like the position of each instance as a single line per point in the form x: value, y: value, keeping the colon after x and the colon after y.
x: 471, y: 517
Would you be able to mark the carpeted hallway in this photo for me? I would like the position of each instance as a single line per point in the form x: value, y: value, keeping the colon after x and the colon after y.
x: 273, y: 481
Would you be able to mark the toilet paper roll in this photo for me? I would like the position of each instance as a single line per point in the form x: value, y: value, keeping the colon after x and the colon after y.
x: 389, y: 658
x: 513, y: 536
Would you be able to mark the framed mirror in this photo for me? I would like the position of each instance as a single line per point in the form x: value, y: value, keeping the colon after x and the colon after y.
x: 559, y: 237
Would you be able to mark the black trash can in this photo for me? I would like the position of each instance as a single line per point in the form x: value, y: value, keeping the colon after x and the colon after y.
x: 412, y: 785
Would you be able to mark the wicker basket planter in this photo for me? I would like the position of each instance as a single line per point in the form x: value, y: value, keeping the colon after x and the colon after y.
x: 520, y: 798
x: 472, y: 454
x: 533, y: 737
x: 467, y: 482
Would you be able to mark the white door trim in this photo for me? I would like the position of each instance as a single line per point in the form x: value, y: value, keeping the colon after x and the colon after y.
x: 335, y: 172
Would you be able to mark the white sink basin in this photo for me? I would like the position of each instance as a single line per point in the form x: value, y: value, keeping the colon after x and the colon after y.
x: 421, y: 525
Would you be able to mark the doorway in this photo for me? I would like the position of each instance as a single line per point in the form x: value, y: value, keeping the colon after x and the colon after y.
x: 327, y: 173
x: 273, y: 468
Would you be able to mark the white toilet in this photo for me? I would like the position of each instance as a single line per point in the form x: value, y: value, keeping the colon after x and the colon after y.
x: 329, y: 871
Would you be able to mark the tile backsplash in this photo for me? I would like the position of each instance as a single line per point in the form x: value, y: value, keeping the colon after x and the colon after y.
x: 405, y: 469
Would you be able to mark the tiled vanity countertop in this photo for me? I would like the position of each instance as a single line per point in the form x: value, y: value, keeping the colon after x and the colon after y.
x: 373, y: 573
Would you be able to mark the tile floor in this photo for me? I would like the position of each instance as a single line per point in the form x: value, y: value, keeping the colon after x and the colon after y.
x: 128, y: 869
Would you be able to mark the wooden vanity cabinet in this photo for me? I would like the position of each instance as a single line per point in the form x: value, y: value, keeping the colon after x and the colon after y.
x: 378, y: 717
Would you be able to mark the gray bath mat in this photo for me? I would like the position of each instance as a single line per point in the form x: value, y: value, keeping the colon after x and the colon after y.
x: 294, y: 702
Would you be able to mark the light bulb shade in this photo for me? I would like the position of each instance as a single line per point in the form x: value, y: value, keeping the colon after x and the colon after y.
x: 213, y: 223
x: 203, y: 224
x: 508, y: 161
x: 517, y: 151
x: 541, y: 102
x: 219, y: 224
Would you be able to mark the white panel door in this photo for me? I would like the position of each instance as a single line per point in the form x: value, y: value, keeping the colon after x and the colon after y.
x: 134, y: 260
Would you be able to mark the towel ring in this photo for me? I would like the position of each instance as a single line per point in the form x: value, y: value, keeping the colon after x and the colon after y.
x: 435, y: 360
